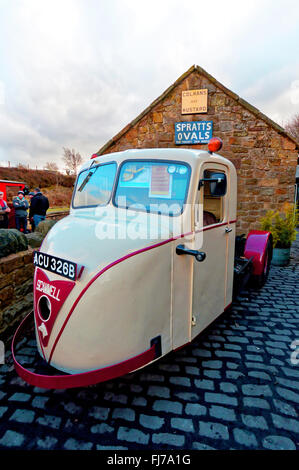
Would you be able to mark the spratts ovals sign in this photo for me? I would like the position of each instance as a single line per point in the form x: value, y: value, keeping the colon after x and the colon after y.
x: 194, y: 132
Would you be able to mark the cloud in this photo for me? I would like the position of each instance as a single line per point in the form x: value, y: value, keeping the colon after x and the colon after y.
x: 2, y: 93
x: 74, y: 73
x: 276, y: 94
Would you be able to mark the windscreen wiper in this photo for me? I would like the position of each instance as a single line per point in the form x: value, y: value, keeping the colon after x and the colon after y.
x: 86, y: 179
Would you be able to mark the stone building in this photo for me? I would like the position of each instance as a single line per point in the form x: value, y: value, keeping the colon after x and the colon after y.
x: 264, y: 155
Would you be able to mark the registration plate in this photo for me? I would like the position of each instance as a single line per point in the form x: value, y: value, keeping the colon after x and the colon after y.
x: 55, y: 265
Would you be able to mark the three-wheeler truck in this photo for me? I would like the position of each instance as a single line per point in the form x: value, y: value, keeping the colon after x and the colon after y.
x: 147, y: 259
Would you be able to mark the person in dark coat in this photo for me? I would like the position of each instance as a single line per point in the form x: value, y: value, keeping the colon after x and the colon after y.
x: 21, y: 207
x: 4, y: 211
x: 31, y: 194
x: 38, y: 207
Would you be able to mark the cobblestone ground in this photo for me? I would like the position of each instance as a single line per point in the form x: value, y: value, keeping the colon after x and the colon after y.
x: 234, y: 387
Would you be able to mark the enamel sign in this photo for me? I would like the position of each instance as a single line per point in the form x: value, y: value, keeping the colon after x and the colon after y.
x: 195, y: 101
x: 196, y: 132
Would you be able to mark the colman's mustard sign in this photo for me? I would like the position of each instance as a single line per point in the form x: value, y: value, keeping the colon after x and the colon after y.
x: 195, y: 101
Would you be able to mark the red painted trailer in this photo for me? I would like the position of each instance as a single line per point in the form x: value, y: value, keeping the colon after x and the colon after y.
x: 10, y: 190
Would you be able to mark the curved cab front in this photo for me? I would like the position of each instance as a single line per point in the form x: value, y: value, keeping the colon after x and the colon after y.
x: 111, y: 316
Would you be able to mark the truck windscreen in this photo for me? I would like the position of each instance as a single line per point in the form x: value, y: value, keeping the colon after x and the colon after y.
x: 94, y: 186
x: 153, y: 186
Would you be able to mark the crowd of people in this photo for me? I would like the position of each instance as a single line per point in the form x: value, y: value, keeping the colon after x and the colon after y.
x: 38, y: 206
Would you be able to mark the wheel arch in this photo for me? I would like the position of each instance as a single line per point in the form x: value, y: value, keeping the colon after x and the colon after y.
x: 256, y: 247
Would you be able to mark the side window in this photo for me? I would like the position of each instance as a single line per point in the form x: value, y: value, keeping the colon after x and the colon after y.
x: 213, y: 206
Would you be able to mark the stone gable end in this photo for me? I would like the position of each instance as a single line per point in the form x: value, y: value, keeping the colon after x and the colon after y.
x: 264, y: 156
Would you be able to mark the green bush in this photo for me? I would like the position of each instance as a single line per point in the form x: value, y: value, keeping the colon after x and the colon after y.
x: 35, y: 239
x: 282, y: 227
x: 44, y: 226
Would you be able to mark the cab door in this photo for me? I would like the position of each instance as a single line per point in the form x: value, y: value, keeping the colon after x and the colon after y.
x: 212, y: 232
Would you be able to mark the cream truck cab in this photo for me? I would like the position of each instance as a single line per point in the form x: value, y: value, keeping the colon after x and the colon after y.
x: 146, y: 260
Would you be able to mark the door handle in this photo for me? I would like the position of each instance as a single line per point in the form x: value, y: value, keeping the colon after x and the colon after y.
x: 182, y: 250
x: 228, y: 229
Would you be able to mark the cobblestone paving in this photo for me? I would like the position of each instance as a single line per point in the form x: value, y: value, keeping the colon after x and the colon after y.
x: 234, y: 387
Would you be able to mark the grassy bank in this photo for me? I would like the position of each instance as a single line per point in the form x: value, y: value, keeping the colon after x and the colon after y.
x: 59, y: 196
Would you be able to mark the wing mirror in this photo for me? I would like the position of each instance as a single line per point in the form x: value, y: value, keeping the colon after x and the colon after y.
x: 217, y: 183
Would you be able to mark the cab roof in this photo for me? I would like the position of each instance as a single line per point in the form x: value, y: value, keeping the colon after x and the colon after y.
x: 190, y: 156
x: 12, y: 182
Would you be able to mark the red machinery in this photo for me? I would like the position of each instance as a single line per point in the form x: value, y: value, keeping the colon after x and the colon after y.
x: 10, y: 190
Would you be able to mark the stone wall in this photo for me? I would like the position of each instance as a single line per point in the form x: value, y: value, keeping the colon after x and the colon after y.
x: 57, y: 215
x: 16, y: 289
x: 264, y: 157
x: 16, y: 285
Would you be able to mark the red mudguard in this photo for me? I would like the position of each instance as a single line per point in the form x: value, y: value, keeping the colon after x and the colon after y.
x: 83, y: 379
x: 255, y: 247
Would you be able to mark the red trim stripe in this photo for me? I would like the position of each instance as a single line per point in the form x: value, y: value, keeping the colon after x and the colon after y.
x: 210, y: 227
x: 142, y: 250
x: 78, y: 380
x: 181, y: 347
x: 34, y: 308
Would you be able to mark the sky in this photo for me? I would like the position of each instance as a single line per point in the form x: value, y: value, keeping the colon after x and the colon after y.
x: 73, y: 73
